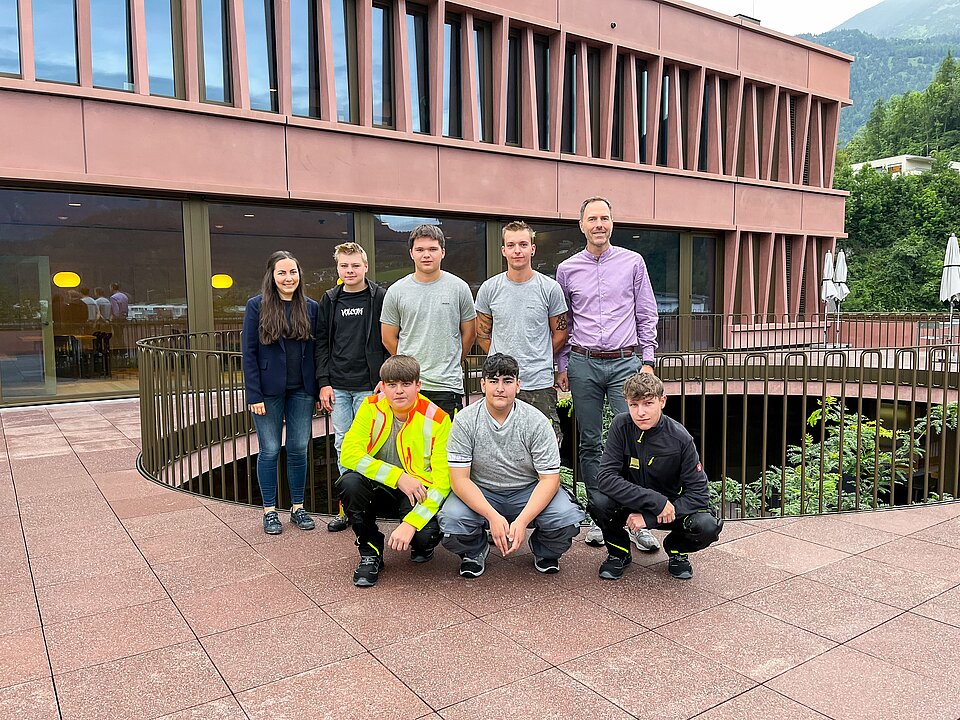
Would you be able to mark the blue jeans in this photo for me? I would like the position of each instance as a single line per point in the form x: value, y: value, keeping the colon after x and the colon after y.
x: 345, y: 406
x: 591, y: 381
x: 297, y: 408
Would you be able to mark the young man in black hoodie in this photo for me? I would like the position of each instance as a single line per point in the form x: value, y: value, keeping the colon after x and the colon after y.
x: 651, y: 477
x: 349, y: 349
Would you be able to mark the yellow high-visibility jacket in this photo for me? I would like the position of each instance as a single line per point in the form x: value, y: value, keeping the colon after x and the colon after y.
x: 421, y: 445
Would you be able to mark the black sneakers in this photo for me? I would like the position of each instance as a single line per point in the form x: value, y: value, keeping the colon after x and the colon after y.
x: 421, y: 556
x: 612, y: 568
x: 547, y: 566
x: 302, y: 519
x: 368, y: 571
x: 473, y: 567
x: 679, y: 566
x: 338, y: 524
x: 271, y: 523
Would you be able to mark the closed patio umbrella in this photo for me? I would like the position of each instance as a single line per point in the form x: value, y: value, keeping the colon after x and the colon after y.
x: 840, y: 283
x: 828, y: 293
x: 950, y: 280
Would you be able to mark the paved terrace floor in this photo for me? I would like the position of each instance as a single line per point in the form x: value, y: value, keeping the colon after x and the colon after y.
x: 123, y: 599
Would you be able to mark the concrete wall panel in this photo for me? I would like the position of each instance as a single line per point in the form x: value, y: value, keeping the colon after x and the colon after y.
x: 43, y: 135
x: 190, y: 151
x: 767, y: 57
x: 491, y: 183
x: 637, y: 21
x: 765, y: 208
x: 694, y: 202
x: 683, y: 34
x: 823, y: 214
x: 829, y: 76
x: 631, y: 192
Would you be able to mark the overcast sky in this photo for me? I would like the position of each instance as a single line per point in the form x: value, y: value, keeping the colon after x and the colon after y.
x: 790, y: 16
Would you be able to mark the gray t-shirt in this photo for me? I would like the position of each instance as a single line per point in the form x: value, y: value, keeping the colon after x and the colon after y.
x: 521, y: 315
x: 388, y: 451
x: 429, y: 317
x: 507, y: 457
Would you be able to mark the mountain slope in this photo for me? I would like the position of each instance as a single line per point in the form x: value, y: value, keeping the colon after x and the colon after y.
x: 907, y: 19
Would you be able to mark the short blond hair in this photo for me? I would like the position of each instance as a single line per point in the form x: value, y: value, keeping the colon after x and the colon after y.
x: 517, y: 226
x: 642, y: 386
x: 349, y: 248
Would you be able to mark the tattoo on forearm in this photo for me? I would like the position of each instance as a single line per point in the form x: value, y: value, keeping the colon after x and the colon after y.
x: 561, y: 322
x: 484, y: 325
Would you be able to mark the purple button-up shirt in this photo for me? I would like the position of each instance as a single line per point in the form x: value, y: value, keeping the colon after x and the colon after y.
x: 611, y: 302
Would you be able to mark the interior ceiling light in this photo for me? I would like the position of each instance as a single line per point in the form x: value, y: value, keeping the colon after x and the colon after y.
x: 75, y: 204
x: 221, y: 281
x: 66, y: 279
x: 249, y: 215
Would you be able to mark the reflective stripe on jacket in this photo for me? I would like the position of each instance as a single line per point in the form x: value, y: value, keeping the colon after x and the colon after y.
x: 421, y: 445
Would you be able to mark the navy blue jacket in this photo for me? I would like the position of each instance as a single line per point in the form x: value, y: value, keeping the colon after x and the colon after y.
x: 265, y: 366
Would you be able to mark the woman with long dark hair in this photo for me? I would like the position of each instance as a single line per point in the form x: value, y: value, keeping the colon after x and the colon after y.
x: 279, y: 326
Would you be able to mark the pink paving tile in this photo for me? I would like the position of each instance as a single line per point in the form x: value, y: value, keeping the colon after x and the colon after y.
x: 44, y: 488
x: 331, y: 691
x: 945, y: 607
x: 906, y: 520
x: 186, y: 521
x: 153, y: 504
x: 114, y: 634
x: 784, y: 552
x: 178, y: 544
x: 33, y: 700
x: 770, y: 523
x: 326, y: 582
x: 240, y: 603
x: 919, y: 556
x: 19, y: 611
x: 745, y: 641
x: 624, y: 674
x: 295, y: 548
x: 103, y: 461
x: 90, y: 596
x: 945, y: 533
x: 14, y: 572
x: 651, y: 597
x: 194, y: 574
x: 414, y: 610
x: 23, y: 656
x: 730, y: 575
x: 89, y: 534
x: 820, y: 608
x: 850, y: 685
x: 257, y: 654
x: 760, y: 703
x: 550, y: 695
x: 919, y: 644
x: 454, y: 664
x: 881, y: 582
x: 832, y: 531
x: 223, y: 709
x: 166, y: 680
x: 85, y: 563
x: 555, y: 630
x: 126, y: 484
x: 736, y: 529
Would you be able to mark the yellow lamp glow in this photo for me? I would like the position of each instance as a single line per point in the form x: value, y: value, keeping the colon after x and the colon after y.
x: 66, y: 279
x: 221, y: 281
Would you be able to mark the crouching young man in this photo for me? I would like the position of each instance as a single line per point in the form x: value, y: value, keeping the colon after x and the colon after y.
x: 651, y: 477
x: 395, y: 453
x: 505, y: 474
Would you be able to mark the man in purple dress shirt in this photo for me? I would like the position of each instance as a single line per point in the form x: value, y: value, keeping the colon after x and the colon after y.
x: 612, y: 323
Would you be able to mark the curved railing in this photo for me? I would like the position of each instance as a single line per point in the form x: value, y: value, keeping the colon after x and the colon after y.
x: 780, y: 432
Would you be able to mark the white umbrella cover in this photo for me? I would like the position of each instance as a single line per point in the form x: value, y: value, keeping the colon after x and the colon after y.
x: 840, y: 277
x: 950, y: 281
x: 828, y: 290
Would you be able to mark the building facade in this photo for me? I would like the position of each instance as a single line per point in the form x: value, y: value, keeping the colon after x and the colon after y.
x: 159, y: 150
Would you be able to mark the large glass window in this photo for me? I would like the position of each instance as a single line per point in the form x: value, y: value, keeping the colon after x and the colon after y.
x: 9, y: 38
x: 382, y: 65
x: 593, y: 77
x: 261, y: 54
x: 664, y: 140
x: 568, y: 126
x: 703, y: 294
x: 110, y: 44
x: 704, y: 127
x: 513, y: 89
x: 484, y: 81
x: 452, y: 96
x: 541, y: 62
x: 555, y: 243
x: 343, y: 16
x: 642, y: 107
x: 164, y: 47
x: 419, y: 69
x: 616, y: 148
x: 55, y: 40
x: 242, y: 237
x: 465, y: 247
x: 70, y: 312
x: 214, y: 35
x: 304, y: 58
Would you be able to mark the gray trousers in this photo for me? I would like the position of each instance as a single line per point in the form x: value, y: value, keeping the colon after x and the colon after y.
x: 554, y: 528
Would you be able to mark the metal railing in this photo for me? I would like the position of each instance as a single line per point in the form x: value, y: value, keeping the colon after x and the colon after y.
x: 826, y: 427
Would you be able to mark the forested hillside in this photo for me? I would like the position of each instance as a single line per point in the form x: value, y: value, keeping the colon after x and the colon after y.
x: 907, y: 18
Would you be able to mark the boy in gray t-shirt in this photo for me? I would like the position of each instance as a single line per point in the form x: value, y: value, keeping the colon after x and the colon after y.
x: 505, y: 473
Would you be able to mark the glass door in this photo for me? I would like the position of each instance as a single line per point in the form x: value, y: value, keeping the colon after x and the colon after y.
x: 27, y: 363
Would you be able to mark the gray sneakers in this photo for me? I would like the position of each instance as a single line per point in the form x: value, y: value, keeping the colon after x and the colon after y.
x: 642, y: 539
x: 473, y: 566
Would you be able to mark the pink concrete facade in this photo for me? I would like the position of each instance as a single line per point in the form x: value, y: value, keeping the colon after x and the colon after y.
x: 769, y: 149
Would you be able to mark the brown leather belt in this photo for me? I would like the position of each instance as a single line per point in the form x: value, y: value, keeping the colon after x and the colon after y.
x: 605, y: 354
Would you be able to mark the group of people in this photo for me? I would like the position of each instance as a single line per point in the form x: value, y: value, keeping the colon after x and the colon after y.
x: 387, y: 365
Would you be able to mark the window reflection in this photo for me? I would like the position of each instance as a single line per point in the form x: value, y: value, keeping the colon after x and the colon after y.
x: 304, y: 58
x: 555, y: 243
x: 9, y: 38
x: 568, y: 128
x: 55, y: 40
x: 664, y: 119
x: 513, y: 89
x: 642, y: 107
x: 484, y: 81
x: 452, y: 103
x: 69, y: 341
x: 593, y: 78
x: 704, y: 127
x: 164, y: 47
x: 661, y: 252
x: 541, y: 58
x: 382, y: 65
x: 261, y: 54
x: 616, y: 150
x: 110, y: 44
x: 465, y: 246
x: 243, y: 236
x: 215, y: 56
x: 343, y: 16
x: 419, y: 70
x: 703, y: 295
